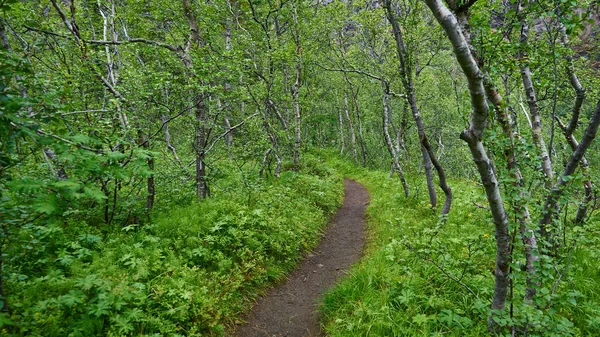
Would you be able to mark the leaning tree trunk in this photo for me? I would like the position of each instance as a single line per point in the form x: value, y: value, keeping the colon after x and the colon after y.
x: 551, y: 204
x: 407, y: 81
x: 520, y: 208
x: 588, y: 186
x: 165, y: 125
x: 569, y: 129
x: 473, y: 137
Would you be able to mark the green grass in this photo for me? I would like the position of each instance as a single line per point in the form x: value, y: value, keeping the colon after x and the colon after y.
x: 397, y: 289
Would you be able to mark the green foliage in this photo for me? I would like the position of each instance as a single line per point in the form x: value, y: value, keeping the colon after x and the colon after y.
x: 414, y: 278
x: 85, y: 152
x: 190, y: 272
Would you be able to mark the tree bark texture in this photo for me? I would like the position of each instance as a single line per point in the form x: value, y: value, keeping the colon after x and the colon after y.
x: 200, y: 107
x: 407, y: 81
x: 528, y: 235
x: 473, y: 137
x: 531, y: 98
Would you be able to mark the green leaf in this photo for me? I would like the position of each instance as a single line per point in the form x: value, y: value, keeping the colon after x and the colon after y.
x: 26, y: 185
x: 115, y: 155
x: 72, y: 298
x: 420, y: 319
x: 95, y: 193
x: 48, y: 204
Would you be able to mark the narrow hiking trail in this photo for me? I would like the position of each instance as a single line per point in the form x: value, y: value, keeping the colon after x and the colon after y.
x: 290, y: 309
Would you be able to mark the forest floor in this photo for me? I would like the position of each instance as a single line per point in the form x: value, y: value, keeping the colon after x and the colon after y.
x: 290, y: 309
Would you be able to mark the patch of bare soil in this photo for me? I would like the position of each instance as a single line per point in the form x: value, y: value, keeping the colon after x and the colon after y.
x: 290, y: 309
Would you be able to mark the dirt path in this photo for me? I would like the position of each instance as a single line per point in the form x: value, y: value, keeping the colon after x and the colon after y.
x: 290, y: 308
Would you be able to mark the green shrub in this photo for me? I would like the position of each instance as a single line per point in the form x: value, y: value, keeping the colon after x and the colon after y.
x: 190, y: 272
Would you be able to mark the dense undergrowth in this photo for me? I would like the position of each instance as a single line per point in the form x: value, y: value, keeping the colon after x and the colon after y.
x: 419, y: 278
x: 196, y: 267
x: 189, y: 272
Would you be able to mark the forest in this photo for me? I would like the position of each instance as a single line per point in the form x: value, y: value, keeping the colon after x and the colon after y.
x: 164, y: 163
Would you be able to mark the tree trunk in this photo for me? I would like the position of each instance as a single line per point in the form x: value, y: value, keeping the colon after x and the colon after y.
x: 351, y: 127
x: 401, y: 136
x: 429, y: 177
x: 569, y: 129
x: 264, y: 163
x: 165, y: 121
x: 587, y: 181
x: 407, y: 81
x: 473, y: 137
x: 520, y: 208
x: 536, y: 129
x: 388, y: 140
x: 361, y: 140
x: 295, y: 92
x: 342, y: 136
x: 150, y: 185
x: 199, y: 146
x: 227, y: 119
x: 550, y: 207
x: 398, y: 134
x: 200, y: 107
x: 108, y: 28
x: 272, y: 138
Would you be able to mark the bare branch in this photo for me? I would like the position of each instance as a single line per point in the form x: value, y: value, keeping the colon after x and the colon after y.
x: 112, y: 43
x: 229, y: 131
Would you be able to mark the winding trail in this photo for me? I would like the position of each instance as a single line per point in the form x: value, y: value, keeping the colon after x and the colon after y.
x: 290, y: 309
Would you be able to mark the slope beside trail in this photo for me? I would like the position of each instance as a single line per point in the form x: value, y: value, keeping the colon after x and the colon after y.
x: 290, y: 309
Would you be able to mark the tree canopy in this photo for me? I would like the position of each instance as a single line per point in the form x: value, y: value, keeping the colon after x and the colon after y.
x: 115, y: 113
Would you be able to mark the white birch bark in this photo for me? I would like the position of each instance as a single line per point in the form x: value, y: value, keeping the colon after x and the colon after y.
x: 473, y: 137
x: 531, y: 98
